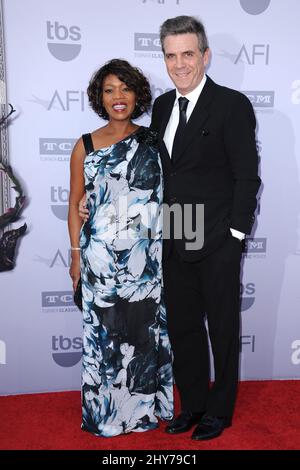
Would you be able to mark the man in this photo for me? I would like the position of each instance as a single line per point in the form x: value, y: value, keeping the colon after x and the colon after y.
x: 209, y: 157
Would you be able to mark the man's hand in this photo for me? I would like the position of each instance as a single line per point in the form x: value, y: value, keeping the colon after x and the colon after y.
x: 82, y: 210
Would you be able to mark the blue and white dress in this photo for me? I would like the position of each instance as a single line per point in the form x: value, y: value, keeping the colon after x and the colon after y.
x: 127, y: 372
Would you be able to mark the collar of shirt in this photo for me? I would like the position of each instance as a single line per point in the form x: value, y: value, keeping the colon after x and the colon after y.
x: 192, y: 97
x: 174, y: 117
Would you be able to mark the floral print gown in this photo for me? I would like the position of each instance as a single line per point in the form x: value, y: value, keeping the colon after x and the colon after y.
x: 127, y: 373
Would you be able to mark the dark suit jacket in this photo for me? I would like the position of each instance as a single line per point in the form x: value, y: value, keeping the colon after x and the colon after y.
x: 216, y: 164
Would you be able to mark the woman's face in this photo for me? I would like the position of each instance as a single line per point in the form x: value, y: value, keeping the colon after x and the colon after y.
x: 118, y: 100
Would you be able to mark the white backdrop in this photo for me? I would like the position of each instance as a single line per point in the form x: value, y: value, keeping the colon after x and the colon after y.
x: 52, y: 49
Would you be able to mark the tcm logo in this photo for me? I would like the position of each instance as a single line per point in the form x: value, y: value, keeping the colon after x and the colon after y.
x: 247, y: 292
x: 256, y: 245
x: 296, y: 92
x: 59, y: 200
x: 256, y: 54
x: 52, y: 146
x: 54, y: 149
x: 295, y: 357
x: 2, y: 352
x: 66, y: 352
x: 57, y: 299
x: 261, y: 99
x: 247, y: 342
x: 147, y: 42
x: 62, y: 41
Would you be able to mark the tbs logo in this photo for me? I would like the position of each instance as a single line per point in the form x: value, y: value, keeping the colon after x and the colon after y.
x: 66, y: 352
x: 62, y: 41
x: 249, y: 291
x: 59, y: 202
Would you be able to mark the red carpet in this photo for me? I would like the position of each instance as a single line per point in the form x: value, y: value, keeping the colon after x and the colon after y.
x: 267, y: 417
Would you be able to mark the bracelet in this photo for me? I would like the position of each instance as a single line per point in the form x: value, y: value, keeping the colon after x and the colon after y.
x: 75, y: 248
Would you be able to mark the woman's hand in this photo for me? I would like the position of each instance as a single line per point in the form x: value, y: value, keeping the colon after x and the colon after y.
x: 75, y: 271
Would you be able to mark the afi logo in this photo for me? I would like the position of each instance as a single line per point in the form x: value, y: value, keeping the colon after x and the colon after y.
x: 65, y: 101
x: 295, y: 357
x: 60, y: 260
x: 62, y: 101
x: 63, y: 50
x: 248, y: 290
x: 257, y: 53
x: 66, y: 352
x: 60, y: 195
x: 2, y: 352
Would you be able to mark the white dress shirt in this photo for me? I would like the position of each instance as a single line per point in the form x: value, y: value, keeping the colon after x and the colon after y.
x: 173, y: 123
x: 174, y: 118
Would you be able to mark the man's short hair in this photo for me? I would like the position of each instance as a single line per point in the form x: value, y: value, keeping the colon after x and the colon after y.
x: 183, y: 25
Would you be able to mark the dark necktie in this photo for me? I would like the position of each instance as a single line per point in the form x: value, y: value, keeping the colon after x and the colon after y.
x: 183, y: 103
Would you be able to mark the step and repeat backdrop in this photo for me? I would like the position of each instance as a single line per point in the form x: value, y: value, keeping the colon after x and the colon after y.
x: 51, y: 50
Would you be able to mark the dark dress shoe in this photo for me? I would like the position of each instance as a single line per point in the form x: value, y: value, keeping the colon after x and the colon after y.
x: 183, y: 422
x: 211, y: 427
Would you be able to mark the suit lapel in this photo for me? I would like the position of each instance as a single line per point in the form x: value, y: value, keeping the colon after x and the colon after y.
x: 198, y: 117
x: 166, y: 114
x: 165, y: 119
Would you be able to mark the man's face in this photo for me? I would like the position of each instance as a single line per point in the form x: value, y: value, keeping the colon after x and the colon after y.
x: 184, y: 60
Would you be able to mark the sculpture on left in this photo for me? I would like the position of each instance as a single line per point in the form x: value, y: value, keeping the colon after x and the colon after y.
x: 8, y: 240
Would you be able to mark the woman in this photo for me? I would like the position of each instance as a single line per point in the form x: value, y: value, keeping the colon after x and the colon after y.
x: 127, y: 378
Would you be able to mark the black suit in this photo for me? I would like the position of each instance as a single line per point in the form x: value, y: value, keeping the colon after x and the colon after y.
x: 216, y: 165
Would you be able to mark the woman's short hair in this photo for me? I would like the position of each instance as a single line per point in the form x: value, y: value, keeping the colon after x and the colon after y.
x: 131, y: 76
